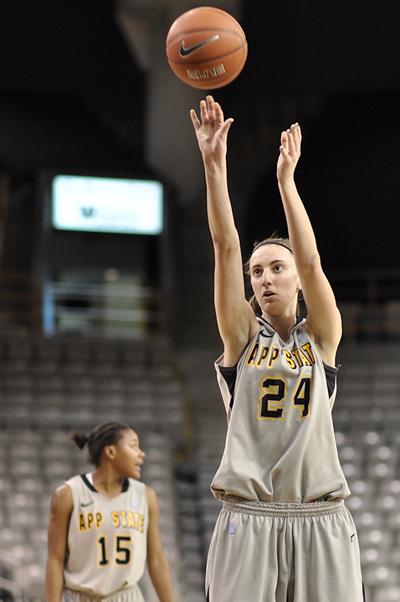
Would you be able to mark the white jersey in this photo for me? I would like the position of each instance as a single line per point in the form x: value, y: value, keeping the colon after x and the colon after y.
x: 107, y: 538
x: 280, y: 444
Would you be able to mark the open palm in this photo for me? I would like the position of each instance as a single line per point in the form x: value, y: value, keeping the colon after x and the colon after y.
x: 211, y: 129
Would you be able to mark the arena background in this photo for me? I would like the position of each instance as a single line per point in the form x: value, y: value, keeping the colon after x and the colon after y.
x: 97, y: 326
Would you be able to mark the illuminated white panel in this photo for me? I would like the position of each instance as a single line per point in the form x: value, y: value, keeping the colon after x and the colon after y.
x: 114, y: 205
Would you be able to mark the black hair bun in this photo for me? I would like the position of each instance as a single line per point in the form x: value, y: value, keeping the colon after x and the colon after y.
x: 80, y: 439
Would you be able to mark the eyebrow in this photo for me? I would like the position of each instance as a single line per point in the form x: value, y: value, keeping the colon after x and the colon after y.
x: 258, y: 265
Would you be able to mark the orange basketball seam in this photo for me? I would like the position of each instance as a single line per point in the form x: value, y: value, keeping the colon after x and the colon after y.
x: 207, y: 61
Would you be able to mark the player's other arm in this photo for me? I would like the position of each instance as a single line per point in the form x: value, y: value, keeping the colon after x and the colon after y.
x: 157, y: 562
x: 60, y: 513
x: 323, y: 317
x: 236, y: 321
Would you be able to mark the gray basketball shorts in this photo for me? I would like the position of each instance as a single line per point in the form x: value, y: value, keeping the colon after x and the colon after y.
x: 275, y: 552
x: 132, y: 594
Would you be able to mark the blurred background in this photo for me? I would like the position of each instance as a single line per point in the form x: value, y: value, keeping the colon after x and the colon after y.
x: 106, y: 311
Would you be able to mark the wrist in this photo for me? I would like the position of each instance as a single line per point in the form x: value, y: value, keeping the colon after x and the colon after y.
x: 286, y: 181
x: 214, y: 165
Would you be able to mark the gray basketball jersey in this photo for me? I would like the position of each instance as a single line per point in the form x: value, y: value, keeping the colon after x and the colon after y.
x: 280, y: 444
x: 107, y: 538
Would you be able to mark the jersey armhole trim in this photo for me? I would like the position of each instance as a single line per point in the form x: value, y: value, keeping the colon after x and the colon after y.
x: 229, y: 375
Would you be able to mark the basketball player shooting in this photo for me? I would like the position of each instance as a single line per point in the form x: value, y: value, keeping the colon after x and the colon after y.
x: 284, y: 533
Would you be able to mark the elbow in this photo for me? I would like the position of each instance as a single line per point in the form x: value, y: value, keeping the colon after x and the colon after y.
x: 224, y: 245
x: 310, y: 264
x: 156, y: 563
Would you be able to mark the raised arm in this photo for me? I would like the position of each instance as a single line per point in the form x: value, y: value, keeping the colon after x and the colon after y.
x: 323, y: 317
x: 60, y: 513
x: 236, y: 320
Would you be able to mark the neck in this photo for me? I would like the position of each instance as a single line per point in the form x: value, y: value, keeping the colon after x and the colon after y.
x: 106, y: 481
x: 282, y: 324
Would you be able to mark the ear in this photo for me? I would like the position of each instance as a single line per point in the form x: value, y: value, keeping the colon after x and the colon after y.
x: 109, y: 452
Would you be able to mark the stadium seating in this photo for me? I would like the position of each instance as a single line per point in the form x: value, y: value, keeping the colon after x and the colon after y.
x: 49, y: 387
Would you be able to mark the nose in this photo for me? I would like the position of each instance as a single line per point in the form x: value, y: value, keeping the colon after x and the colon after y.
x: 266, y: 277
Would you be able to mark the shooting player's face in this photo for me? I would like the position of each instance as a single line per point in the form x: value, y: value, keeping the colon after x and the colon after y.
x: 274, y: 279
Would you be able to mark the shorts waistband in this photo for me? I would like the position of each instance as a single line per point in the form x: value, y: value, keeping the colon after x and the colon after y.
x: 282, y: 509
x: 70, y: 595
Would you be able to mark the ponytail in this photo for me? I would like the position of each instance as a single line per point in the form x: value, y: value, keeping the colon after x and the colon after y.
x: 80, y: 439
x: 102, y: 435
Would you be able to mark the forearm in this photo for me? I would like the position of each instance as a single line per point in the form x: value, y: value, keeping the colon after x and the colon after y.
x: 300, y: 230
x: 161, y: 578
x: 54, y: 580
x: 219, y: 209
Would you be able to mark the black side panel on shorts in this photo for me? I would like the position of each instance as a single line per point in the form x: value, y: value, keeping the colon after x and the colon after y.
x: 229, y: 375
x: 208, y: 595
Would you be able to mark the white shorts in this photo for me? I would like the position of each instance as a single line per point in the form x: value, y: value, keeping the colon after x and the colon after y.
x: 132, y: 594
x: 274, y: 552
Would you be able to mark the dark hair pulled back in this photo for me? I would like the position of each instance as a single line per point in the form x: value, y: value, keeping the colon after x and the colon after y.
x: 274, y: 239
x: 102, y: 435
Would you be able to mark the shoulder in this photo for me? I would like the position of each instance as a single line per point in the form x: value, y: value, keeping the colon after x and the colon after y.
x: 137, y: 486
x: 327, y: 351
x: 62, y: 501
x: 152, y: 499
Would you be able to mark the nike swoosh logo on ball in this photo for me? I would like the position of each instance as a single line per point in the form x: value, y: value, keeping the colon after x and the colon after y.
x: 186, y: 51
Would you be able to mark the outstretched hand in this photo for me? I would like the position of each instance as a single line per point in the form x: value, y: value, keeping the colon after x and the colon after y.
x: 290, y: 151
x: 211, y: 129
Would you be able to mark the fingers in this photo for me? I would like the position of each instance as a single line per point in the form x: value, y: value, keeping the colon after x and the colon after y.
x: 211, y: 113
x: 296, y: 133
x: 291, y: 144
x: 204, y: 115
x: 195, y: 119
x: 284, y: 151
x: 226, y: 126
x: 291, y: 141
x: 210, y: 107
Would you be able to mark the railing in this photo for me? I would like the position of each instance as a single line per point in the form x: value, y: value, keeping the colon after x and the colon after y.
x: 367, y: 286
x: 126, y: 310
x: 369, y: 301
x: 108, y: 309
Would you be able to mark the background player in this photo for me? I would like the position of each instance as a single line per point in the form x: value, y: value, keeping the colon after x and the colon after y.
x: 104, y: 525
x: 284, y: 533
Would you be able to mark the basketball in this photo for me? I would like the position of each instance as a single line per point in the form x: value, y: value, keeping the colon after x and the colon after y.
x: 206, y: 48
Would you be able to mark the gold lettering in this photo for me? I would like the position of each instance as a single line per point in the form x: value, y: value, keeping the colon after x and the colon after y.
x: 297, y: 355
x: 115, y: 519
x: 274, y: 355
x: 253, y: 355
x: 263, y: 354
x: 305, y: 357
x: 308, y: 349
x: 141, y: 523
x: 290, y: 360
x: 90, y: 519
